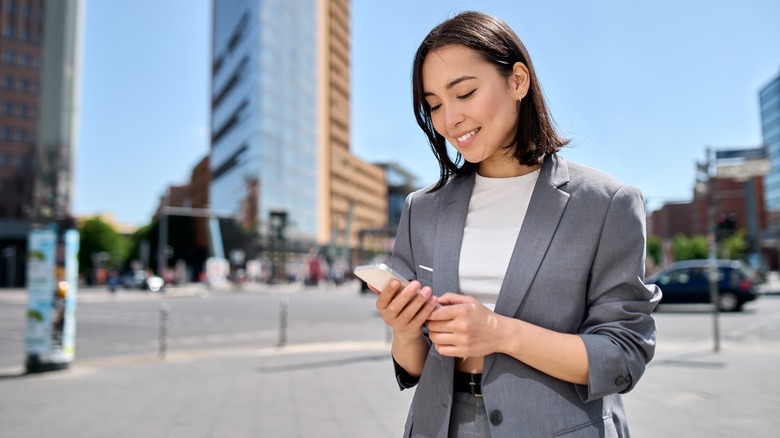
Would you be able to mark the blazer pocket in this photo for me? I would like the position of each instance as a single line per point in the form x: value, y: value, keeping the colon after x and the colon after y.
x: 605, y: 427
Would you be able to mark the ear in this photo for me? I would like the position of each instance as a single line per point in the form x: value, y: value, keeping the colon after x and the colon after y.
x: 520, y: 80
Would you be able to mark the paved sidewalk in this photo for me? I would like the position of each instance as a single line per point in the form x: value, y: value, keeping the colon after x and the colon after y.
x: 347, y: 390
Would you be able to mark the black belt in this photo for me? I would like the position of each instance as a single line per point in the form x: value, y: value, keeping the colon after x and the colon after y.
x: 468, y: 382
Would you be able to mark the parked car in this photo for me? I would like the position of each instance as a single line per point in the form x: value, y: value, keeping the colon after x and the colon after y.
x: 140, y: 279
x: 687, y: 282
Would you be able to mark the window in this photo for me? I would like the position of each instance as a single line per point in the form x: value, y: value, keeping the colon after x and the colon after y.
x: 8, y: 82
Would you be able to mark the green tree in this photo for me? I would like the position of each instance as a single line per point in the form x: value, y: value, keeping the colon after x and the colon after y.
x: 688, y: 248
x: 655, y: 247
x: 734, y: 246
x: 100, y: 237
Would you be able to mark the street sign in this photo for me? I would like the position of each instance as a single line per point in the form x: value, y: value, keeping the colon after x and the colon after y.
x: 744, y: 170
x: 746, y: 154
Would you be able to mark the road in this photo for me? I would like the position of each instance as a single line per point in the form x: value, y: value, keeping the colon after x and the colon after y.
x: 128, y: 322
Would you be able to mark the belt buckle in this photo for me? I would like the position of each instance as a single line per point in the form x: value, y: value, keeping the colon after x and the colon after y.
x: 474, y: 387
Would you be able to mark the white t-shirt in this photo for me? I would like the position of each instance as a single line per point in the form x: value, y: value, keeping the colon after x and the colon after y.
x: 496, y: 213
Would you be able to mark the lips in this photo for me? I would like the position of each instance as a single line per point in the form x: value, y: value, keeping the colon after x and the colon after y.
x: 466, y: 136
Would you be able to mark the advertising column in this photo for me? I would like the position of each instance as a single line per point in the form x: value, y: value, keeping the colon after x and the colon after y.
x: 52, y: 287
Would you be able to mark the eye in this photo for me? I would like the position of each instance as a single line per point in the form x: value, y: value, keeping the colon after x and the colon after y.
x: 467, y: 95
x: 434, y: 108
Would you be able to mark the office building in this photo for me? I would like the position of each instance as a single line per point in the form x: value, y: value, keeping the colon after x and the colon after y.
x: 769, y: 99
x: 280, y: 123
x: 40, y: 51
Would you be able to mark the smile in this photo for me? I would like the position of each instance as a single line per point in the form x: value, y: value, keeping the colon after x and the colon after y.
x: 467, y: 135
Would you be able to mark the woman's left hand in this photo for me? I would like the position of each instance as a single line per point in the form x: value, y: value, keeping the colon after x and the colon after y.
x: 463, y: 327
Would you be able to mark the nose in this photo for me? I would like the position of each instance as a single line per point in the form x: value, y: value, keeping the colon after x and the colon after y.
x: 452, y: 116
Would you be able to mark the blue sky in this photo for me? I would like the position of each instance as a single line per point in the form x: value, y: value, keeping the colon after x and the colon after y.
x: 640, y: 89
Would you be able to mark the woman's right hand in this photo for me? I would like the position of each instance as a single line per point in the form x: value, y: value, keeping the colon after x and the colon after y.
x: 407, y: 309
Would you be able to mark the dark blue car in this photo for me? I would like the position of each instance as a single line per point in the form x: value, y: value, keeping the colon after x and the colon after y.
x: 687, y: 282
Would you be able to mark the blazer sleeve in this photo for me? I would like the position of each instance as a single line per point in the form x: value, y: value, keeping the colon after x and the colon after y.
x: 619, y: 331
x: 402, y: 261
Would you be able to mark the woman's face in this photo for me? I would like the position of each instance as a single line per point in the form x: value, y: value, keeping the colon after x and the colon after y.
x: 474, y: 107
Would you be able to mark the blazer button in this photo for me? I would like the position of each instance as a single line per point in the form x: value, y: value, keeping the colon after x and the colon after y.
x: 620, y: 381
x: 496, y: 417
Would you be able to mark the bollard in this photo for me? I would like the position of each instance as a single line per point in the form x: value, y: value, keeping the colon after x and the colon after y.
x: 283, y: 304
x: 165, y: 308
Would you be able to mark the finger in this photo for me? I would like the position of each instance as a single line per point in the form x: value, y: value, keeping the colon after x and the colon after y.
x: 451, y: 298
x: 387, y: 295
x: 448, y: 350
x: 424, y: 312
x: 416, y: 310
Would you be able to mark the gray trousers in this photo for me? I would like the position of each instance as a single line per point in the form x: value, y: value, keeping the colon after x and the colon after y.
x: 468, y: 418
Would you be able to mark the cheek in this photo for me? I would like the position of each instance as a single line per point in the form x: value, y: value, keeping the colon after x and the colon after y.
x: 438, y: 124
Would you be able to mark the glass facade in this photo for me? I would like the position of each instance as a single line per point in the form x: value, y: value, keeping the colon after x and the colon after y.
x: 769, y: 97
x: 264, y: 118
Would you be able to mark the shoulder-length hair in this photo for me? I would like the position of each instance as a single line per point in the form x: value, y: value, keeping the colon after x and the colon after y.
x: 496, y: 43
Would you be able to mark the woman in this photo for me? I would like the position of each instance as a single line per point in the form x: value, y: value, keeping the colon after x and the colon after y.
x: 537, y: 262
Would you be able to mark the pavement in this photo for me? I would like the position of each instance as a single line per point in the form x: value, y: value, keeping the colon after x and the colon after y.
x: 347, y: 389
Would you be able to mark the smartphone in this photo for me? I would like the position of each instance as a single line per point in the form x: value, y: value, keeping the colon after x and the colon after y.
x: 379, y: 276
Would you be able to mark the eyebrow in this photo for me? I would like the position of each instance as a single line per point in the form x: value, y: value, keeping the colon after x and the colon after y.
x: 452, y: 84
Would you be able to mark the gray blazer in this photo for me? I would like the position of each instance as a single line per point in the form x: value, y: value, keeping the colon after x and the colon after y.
x: 577, y: 267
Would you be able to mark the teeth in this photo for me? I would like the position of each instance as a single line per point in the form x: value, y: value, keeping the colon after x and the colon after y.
x: 467, y: 135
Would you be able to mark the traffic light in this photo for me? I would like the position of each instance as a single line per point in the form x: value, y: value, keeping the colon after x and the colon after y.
x: 727, y: 225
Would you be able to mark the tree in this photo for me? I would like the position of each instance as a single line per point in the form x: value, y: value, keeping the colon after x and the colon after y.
x: 735, y: 246
x: 655, y: 246
x: 689, y: 248
x: 99, y: 237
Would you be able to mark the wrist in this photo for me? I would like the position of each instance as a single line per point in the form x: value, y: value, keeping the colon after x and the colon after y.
x: 510, y: 335
x: 404, y: 337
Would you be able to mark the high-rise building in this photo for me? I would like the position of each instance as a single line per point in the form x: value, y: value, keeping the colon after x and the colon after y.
x: 769, y: 98
x: 280, y: 122
x: 40, y: 53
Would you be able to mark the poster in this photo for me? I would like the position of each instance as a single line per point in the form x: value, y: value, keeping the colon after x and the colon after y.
x: 52, y: 282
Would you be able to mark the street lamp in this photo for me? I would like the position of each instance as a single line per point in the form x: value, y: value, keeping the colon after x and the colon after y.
x: 704, y: 171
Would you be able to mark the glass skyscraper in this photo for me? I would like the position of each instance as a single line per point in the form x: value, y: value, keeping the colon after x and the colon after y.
x: 769, y: 98
x: 264, y: 113
x: 281, y: 124
x: 40, y: 65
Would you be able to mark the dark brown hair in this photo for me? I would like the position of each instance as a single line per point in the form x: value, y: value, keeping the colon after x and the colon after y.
x: 496, y: 43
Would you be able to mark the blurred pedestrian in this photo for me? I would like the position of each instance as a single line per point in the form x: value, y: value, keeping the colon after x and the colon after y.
x: 537, y: 261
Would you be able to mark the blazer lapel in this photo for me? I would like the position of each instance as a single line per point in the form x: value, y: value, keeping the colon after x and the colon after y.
x: 545, y: 209
x: 453, y: 209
